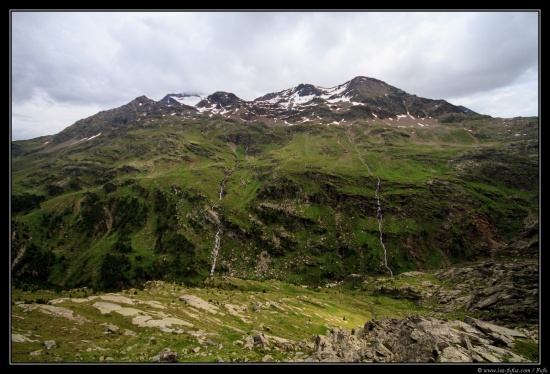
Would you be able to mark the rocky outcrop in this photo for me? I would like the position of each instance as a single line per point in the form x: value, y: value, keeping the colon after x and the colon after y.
x: 526, y: 245
x: 419, y: 339
x: 503, y: 292
x: 165, y: 356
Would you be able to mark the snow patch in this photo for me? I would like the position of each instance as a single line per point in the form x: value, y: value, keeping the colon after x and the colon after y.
x: 306, y: 105
x: 328, y: 92
x: 297, y: 99
x: 187, y: 100
x: 339, y: 99
x: 336, y: 123
x: 78, y: 141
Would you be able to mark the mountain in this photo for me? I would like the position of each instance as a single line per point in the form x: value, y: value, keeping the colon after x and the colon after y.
x: 359, y: 99
x: 308, y: 185
x: 356, y: 101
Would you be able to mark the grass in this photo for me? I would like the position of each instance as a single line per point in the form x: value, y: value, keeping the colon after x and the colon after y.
x: 221, y: 329
x: 284, y: 311
x: 527, y: 349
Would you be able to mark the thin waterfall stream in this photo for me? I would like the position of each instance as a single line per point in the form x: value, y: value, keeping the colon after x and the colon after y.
x: 379, y: 216
x: 217, y: 239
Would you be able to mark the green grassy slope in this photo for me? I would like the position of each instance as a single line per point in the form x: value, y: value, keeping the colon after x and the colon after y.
x: 298, y: 202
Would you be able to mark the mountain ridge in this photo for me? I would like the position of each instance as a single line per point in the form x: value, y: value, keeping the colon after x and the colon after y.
x: 357, y: 100
x: 156, y: 185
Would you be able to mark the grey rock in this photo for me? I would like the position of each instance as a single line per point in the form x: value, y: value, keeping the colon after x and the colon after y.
x: 419, y: 339
x: 49, y: 344
x: 165, y: 356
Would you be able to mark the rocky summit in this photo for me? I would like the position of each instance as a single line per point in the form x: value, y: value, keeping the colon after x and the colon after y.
x: 358, y: 100
x: 357, y: 223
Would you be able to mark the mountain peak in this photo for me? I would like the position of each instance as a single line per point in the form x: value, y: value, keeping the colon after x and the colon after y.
x: 142, y: 100
x: 363, y: 88
x: 221, y: 100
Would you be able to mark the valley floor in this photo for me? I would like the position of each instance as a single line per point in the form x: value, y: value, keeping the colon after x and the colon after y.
x: 481, y: 312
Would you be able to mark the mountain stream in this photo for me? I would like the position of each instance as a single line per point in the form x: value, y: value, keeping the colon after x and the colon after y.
x: 220, y: 225
x: 379, y: 211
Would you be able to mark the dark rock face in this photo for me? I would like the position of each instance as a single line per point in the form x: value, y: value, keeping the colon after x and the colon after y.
x: 526, y: 245
x: 503, y: 292
x: 419, y: 339
x: 307, y: 89
x: 222, y: 100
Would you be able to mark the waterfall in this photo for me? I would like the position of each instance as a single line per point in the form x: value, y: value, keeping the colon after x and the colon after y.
x: 216, y: 248
x: 379, y: 211
x: 220, y: 226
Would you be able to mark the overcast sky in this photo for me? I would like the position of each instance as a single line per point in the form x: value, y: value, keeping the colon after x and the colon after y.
x: 66, y: 66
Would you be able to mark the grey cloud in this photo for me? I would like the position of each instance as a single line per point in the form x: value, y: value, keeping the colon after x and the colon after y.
x: 95, y: 59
